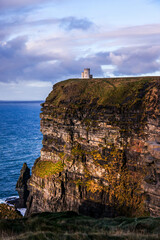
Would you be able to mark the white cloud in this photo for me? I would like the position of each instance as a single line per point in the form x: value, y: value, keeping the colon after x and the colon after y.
x: 24, y: 90
x: 19, y: 3
x: 117, y: 59
x: 38, y: 84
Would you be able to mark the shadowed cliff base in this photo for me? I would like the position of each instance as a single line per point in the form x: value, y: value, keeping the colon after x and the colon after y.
x: 71, y: 226
x: 96, y: 210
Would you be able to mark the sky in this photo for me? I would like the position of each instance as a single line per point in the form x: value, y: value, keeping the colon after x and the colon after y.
x: 45, y: 41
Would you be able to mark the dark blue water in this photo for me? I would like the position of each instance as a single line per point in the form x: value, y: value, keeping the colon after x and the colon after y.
x: 20, y: 141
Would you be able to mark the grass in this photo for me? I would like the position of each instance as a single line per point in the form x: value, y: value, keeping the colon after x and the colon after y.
x: 103, y: 91
x: 71, y: 226
x: 45, y: 169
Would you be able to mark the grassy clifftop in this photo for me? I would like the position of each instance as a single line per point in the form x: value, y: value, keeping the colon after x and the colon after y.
x: 102, y: 91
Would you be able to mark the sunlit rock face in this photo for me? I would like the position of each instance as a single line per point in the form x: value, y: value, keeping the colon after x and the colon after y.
x: 101, y: 149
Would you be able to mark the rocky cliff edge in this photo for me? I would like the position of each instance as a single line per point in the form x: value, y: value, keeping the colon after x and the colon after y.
x: 101, y: 149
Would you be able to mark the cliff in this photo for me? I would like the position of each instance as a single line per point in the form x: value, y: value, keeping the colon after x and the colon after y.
x: 21, y: 187
x: 101, y: 149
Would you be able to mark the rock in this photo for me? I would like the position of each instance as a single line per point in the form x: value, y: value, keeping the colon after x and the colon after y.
x: 98, y: 149
x: 9, y: 212
x: 12, y: 200
x: 158, y: 139
x: 21, y: 187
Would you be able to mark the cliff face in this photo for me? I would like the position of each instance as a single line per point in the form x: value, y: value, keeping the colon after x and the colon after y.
x: 21, y: 187
x: 101, y: 149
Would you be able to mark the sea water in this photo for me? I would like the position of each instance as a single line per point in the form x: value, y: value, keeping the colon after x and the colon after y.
x: 20, y: 141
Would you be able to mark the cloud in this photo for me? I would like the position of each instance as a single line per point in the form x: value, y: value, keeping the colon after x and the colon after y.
x: 70, y: 23
x: 8, y: 4
x: 38, y: 84
x: 24, y: 90
x: 22, y: 25
x: 64, y: 56
x: 136, y: 31
x: 16, y: 61
x: 127, y: 61
x: 136, y: 60
x: 19, y: 63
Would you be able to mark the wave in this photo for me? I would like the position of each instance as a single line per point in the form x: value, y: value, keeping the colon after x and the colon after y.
x: 5, y: 200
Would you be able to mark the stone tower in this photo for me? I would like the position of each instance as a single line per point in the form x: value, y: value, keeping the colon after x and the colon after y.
x: 86, y: 73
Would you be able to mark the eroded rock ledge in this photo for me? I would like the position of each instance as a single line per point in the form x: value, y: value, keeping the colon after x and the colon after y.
x: 101, y: 149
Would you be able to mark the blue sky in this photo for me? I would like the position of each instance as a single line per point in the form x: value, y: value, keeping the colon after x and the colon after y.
x: 46, y: 41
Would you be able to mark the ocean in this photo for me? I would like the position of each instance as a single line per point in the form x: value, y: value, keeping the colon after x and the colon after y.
x: 20, y: 141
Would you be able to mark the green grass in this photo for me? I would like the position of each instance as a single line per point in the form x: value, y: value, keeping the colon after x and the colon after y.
x: 103, y: 91
x: 47, y: 168
x: 71, y: 226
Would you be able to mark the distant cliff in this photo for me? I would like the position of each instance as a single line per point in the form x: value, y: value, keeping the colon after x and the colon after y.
x: 101, y: 149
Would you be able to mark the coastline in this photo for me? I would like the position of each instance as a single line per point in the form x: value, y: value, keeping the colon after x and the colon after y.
x: 10, y: 201
x: 20, y: 141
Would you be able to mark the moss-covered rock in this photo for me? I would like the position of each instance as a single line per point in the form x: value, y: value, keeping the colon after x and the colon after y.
x: 45, y: 169
x: 9, y: 212
x: 101, y: 91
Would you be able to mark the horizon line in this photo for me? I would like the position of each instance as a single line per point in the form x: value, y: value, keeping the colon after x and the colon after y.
x: 22, y: 100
